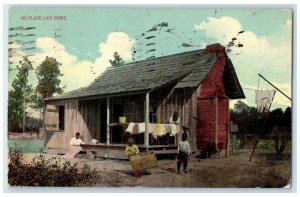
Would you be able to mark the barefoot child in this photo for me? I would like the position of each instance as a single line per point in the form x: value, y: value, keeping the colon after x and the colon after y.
x: 183, y: 153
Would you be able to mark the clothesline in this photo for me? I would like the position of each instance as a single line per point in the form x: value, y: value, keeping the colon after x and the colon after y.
x: 156, y: 129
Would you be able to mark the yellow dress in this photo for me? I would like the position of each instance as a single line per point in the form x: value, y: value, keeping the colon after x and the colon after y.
x: 131, y: 151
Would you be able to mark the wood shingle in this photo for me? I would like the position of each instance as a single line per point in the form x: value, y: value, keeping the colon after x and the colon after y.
x: 188, y: 69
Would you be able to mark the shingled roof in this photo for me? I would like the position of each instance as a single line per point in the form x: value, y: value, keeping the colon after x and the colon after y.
x: 188, y: 69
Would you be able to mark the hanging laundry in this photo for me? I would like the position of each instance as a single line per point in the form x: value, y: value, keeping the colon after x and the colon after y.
x: 159, y: 130
x: 141, y: 127
x: 135, y: 129
x: 130, y: 127
x: 152, y: 128
x: 172, y: 129
x: 168, y: 128
x: 175, y: 129
x: 264, y: 99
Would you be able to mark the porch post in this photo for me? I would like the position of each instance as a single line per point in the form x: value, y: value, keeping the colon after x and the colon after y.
x: 98, y: 123
x: 107, y: 120
x: 217, y: 117
x: 146, y: 134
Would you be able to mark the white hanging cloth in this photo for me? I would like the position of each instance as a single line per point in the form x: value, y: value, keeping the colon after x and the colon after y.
x: 264, y: 99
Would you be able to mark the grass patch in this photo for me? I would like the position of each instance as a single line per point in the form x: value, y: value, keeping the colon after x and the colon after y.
x: 269, y: 144
x: 264, y: 144
x: 26, y: 146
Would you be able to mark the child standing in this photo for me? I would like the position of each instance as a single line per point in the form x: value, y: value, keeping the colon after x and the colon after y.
x: 183, y: 153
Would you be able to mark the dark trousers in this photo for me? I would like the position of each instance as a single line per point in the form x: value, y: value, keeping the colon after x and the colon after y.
x: 182, y: 158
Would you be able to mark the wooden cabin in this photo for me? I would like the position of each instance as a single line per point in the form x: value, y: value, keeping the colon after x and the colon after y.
x: 196, y: 84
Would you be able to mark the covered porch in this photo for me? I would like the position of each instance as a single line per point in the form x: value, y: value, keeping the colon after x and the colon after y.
x: 146, y: 109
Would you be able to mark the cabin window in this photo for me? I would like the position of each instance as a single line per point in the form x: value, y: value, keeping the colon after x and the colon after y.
x: 61, y: 117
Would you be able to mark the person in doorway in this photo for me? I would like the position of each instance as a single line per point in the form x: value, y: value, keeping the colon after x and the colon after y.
x: 174, y: 119
x: 131, y: 149
x: 74, y: 146
x: 183, y: 153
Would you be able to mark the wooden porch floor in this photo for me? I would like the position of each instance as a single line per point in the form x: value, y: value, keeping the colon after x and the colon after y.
x: 117, y: 150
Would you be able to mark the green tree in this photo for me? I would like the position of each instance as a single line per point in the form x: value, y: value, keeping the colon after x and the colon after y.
x: 280, y: 126
x: 19, y: 96
x: 48, y: 74
x: 275, y: 125
x: 118, y: 61
x: 248, y: 119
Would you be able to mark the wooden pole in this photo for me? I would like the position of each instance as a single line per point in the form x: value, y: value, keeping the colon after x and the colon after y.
x: 275, y: 87
x: 146, y: 134
x: 254, y: 148
x: 98, y: 123
x: 107, y: 120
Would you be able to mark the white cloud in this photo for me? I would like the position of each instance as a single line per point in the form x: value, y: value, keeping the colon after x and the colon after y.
x: 269, y: 55
x: 78, y: 73
x: 222, y: 29
x: 116, y: 41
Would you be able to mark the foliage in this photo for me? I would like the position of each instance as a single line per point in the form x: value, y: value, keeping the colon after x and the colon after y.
x: 48, y: 74
x: 46, y: 172
x: 118, y: 61
x: 281, y: 137
x: 281, y: 130
x: 19, y: 96
x: 274, y: 125
x: 248, y: 119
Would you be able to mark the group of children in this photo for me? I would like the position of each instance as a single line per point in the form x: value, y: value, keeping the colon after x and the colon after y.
x: 183, y: 152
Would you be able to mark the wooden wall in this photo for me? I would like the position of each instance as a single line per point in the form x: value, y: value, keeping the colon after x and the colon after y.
x: 184, y: 101
x: 79, y: 117
x: 84, y: 117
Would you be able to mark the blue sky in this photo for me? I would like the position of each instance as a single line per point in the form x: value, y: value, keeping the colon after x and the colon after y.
x: 86, y: 40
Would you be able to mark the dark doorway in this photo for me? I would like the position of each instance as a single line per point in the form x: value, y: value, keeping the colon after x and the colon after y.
x: 103, y: 121
x: 117, y: 131
x: 117, y: 112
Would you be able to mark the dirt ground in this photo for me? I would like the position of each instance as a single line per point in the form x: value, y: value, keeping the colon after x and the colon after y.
x: 236, y: 171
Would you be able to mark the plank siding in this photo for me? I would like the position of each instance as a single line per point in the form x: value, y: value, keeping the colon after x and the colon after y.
x: 83, y: 116
x: 77, y: 119
x: 184, y: 101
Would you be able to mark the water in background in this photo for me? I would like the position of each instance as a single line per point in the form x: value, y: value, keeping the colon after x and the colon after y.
x: 27, y: 145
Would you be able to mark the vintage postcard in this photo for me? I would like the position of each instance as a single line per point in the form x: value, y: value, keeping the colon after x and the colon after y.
x: 149, y: 97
